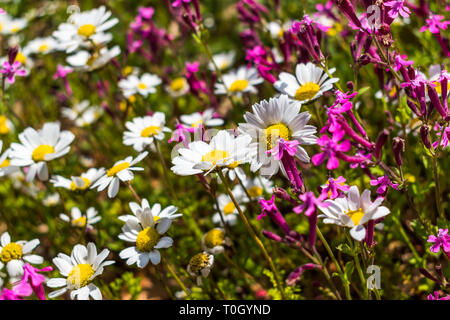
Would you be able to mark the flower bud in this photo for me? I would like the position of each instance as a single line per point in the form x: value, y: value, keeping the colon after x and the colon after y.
x: 12, y: 54
x: 381, y: 141
x: 398, y: 146
x: 424, y: 130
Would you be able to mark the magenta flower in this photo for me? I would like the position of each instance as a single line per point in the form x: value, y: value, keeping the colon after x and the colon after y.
x: 62, y: 72
x: 383, y: 182
x: 284, y: 147
x: 334, y: 188
x: 11, y: 70
x: 310, y: 204
x: 2, y: 11
x: 442, y: 240
x: 435, y: 296
x: 330, y: 148
x: 180, y: 133
x: 294, y: 276
x: 36, y: 280
x: 178, y: 3
x: 445, y: 138
x: 146, y: 12
x: 397, y: 7
x: 268, y: 207
x: 400, y: 61
x: 434, y: 24
x: 22, y: 289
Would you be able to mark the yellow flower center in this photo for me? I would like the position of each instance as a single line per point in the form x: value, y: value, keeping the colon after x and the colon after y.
x: 12, y: 251
x: 393, y: 92
x: 147, y: 239
x: 4, y: 129
x: 15, y: 29
x: 132, y: 99
x: 86, y: 30
x: 40, y: 152
x: 214, y: 238
x: 196, y: 124
x: 238, y: 85
x: 80, y: 222
x: 127, y: 70
x: 229, y: 208
x: 280, y: 33
x: 215, y: 156
x: 43, y: 47
x: 156, y: 219
x: 275, y: 131
x: 142, y: 86
x: 224, y: 65
x: 21, y: 58
x: 86, y: 184
x: 117, y: 168
x: 199, y: 262
x: 307, y: 91
x: 255, y: 191
x: 438, y: 87
x: 5, y: 163
x: 355, y: 215
x: 80, y: 275
x: 234, y: 165
x: 150, y: 131
x: 177, y: 84
x: 334, y: 30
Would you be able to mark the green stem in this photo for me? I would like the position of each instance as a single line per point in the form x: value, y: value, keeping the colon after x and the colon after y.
x: 177, y: 279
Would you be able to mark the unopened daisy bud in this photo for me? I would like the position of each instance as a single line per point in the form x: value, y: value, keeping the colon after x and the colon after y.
x: 272, y: 236
x: 12, y: 54
x: 398, y: 146
x: 200, y: 266
x: 424, y: 130
x: 381, y: 141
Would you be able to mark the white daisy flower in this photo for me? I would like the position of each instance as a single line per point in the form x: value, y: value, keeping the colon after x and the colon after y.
x: 144, y: 85
x: 222, y: 60
x: 138, y: 211
x: 276, y: 29
x: 144, y: 130
x: 83, y: 114
x: 227, y: 207
x: 10, y: 25
x: 178, y: 87
x: 41, y: 45
x: 214, y: 241
x: 77, y: 219
x: 354, y: 211
x: 80, y: 183
x: 121, y: 171
x: 86, y: 61
x: 224, y: 150
x: 51, y: 200
x: 6, y: 126
x: 239, y: 81
x: 79, y: 270
x: 15, y: 254
x: 5, y: 164
x: 83, y: 27
x: 38, y: 147
x: 200, y: 266
x: 308, y: 84
x: 277, y: 118
x: 146, y: 232
x: 205, y: 118
x: 257, y: 186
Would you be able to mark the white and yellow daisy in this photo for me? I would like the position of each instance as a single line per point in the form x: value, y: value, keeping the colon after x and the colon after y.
x: 6, y: 126
x: 227, y: 207
x: 138, y: 210
x: 224, y: 150
x: 5, y: 164
x: 308, y: 84
x: 77, y: 219
x: 205, y: 118
x: 222, y: 60
x: 215, y: 240
x: 178, y: 87
x: 277, y: 118
x: 146, y: 231
x: 121, y: 171
x: 79, y: 270
x: 78, y: 183
x: 239, y: 81
x: 144, y: 130
x: 39, y: 147
x: 88, y: 61
x: 15, y: 254
x: 354, y: 211
x: 200, y: 266
x: 10, y: 25
x: 143, y: 85
x: 51, y: 199
x: 83, y: 114
x: 41, y: 45
x: 277, y: 29
x: 257, y: 186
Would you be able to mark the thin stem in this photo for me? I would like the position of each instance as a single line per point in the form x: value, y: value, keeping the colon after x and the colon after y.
x: 177, y: 279
x: 211, y: 278
x: 134, y: 192
x: 165, y: 170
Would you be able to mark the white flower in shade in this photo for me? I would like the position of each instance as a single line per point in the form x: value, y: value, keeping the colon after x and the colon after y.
x: 223, y: 151
x: 79, y: 270
x: 77, y: 219
x: 10, y: 25
x: 308, y: 84
x: 178, y: 87
x: 205, y: 118
x: 5, y: 164
x: 78, y: 183
x: 138, y: 210
x: 6, y: 126
x: 51, y: 200
x: 39, y: 147
x: 121, y: 171
x: 257, y: 186
x: 41, y: 46
x: 144, y: 130
x: 87, y: 61
x: 354, y: 211
x: 83, y: 114
x: 15, y: 254
x: 222, y: 60
x: 146, y: 231
x: 227, y: 207
x: 277, y: 118
x: 200, y: 266
x: 239, y: 81
x: 214, y: 241
x: 85, y: 27
x: 143, y: 85
x: 277, y: 29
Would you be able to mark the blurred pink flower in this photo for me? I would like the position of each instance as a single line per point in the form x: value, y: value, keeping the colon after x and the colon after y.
x: 441, y: 240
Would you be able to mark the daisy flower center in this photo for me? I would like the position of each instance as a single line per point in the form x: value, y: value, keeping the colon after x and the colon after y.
x: 142, y: 86
x: 21, y: 58
x: 229, y: 208
x: 224, y: 65
x: 117, y: 168
x: 80, y: 275
x: 12, y: 251
x: 40, y: 152
x: 392, y: 92
x: 307, y: 91
x: 4, y: 129
x: 197, y: 123
x: 147, y: 239
x: 438, y: 87
x: 214, y: 238
x: 5, y: 163
x: 86, y: 184
x: 276, y: 131
x: 234, y: 165
x: 86, y: 30
x: 255, y: 191
x: 150, y: 131
x: 43, y: 47
x: 280, y: 33
x: 238, y: 85
x: 80, y: 222
x: 199, y: 262
x: 355, y: 215
x: 215, y: 156
x: 177, y: 84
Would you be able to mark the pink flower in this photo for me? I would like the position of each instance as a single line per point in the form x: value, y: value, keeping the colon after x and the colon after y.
x: 383, y: 182
x: 36, y: 280
x: 310, y: 204
x: 435, y: 296
x: 434, y: 24
x: 282, y: 147
x: 331, y: 148
x: 445, y: 138
x: 400, y: 61
x: 2, y: 11
x: 334, y: 188
x: 442, y: 239
x: 178, y: 3
x: 10, y: 71
x: 62, y: 72
x: 22, y: 289
x: 294, y: 276
x: 397, y: 7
